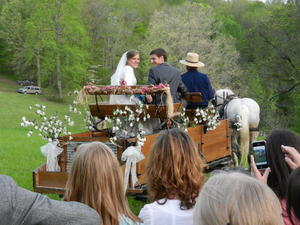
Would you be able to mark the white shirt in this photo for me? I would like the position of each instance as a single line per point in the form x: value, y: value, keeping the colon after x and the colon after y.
x: 129, y: 77
x: 167, y: 214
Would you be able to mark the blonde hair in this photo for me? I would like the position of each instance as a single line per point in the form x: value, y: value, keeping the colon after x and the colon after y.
x: 96, y: 181
x: 236, y: 199
x: 174, y: 168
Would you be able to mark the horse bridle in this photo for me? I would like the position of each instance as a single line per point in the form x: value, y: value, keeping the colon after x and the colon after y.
x: 226, y: 99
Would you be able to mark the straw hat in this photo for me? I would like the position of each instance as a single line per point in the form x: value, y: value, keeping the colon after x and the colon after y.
x: 192, y: 60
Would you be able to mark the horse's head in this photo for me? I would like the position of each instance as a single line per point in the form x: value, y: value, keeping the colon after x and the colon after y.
x: 221, y: 95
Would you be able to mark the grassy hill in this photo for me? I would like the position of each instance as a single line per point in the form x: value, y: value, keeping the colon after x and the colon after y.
x: 20, y: 154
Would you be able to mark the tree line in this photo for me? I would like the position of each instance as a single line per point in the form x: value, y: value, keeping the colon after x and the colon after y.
x: 251, y: 47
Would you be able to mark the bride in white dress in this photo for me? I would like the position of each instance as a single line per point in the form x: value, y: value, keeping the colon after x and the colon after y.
x: 125, y: 73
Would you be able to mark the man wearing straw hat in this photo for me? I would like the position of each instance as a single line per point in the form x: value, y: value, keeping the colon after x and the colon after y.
x: 196, y: 81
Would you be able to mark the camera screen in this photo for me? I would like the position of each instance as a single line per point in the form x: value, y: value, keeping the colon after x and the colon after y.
x: 259, y: 153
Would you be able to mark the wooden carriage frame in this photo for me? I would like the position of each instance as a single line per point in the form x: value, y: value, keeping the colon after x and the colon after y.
x: 213, y: 145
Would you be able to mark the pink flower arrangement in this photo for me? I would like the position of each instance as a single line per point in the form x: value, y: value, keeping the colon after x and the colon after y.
x: 123, y: 89
x: 123, y: 82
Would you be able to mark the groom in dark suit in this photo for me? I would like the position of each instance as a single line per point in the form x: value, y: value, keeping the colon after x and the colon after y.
x: 166, y: 74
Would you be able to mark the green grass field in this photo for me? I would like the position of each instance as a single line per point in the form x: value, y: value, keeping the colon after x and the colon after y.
x: 20, y: 154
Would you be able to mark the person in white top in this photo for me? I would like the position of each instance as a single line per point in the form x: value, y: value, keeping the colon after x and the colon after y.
x: 125, y: 75
x: 174, y: 175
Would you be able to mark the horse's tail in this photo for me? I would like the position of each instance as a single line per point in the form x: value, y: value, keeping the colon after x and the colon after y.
x: 244, y: 134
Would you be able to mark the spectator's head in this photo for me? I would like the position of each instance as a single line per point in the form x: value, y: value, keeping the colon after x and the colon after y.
x: 236, y: 199
x: 158, y: 56
x: 96, y: 180
x: 293, y: 199
x: 280, y: 171
x: 238, y: 169
x: 174, y: 169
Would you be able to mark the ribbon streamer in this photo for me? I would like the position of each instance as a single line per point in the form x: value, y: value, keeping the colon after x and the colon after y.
x: 132, y: 155
x: 51, y: 151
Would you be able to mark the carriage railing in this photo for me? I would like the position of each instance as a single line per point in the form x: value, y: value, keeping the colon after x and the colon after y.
x: 102, y: 109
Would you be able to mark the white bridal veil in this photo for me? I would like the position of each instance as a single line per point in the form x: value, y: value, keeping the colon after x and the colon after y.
x: 119, y: 74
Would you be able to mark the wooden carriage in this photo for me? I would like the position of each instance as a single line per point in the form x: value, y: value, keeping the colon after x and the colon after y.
x: 214, y: 145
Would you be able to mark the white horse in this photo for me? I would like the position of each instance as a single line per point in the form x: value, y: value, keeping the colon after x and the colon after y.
x: 243, y: 115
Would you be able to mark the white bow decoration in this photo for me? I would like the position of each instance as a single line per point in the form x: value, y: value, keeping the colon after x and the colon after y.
x: 132, y: 155
x: 51, y: 151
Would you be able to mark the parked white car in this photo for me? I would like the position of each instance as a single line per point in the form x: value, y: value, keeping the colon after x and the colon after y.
x: 30, y: 90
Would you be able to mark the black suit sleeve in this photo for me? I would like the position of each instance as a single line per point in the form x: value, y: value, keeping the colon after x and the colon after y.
x: 151, y: 78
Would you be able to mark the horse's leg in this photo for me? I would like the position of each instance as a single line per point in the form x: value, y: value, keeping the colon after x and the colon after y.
x: 244, y: 146
x: 244, y: 136
x: 253, y: 135
x: 236, y: 156
x: 235, y: 142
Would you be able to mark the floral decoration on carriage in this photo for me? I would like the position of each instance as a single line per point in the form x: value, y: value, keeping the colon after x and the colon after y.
x: 123, y: 121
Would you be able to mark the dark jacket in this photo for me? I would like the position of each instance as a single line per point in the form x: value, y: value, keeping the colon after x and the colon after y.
x: 198, y: 82
x: 20, y: 206
x: 166, y: 74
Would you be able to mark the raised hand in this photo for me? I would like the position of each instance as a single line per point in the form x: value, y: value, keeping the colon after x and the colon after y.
x: 292, y: 156
x: 149, y: 98
x: 257, y: 174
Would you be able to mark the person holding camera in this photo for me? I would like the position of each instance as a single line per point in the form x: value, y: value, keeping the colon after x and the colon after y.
x: 281, y: 160
x: 293, y: 199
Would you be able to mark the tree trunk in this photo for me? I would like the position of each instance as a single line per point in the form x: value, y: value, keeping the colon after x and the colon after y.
x: 58, y: 37
x: 38, y: 60
x: 58, y: 75
x: 38, y: 66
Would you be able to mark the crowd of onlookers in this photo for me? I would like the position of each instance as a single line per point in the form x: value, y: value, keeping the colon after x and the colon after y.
x: 178, y: 192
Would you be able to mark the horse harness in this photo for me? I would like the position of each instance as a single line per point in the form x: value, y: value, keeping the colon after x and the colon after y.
x: 223, y: 106
x: 226, y: 99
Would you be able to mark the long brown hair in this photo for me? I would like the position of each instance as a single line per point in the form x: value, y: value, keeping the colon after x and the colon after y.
x: 278, y: 178
x: 174, y: 168
x: 96, y: 181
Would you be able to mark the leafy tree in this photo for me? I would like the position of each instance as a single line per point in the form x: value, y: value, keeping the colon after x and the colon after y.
x: 57, y: 43
x: 193, y: 27
x: 115, y: 27
x: 12, y: 33
x: 47, y: 41
x: 274, y: 56
x: 265, y: 34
